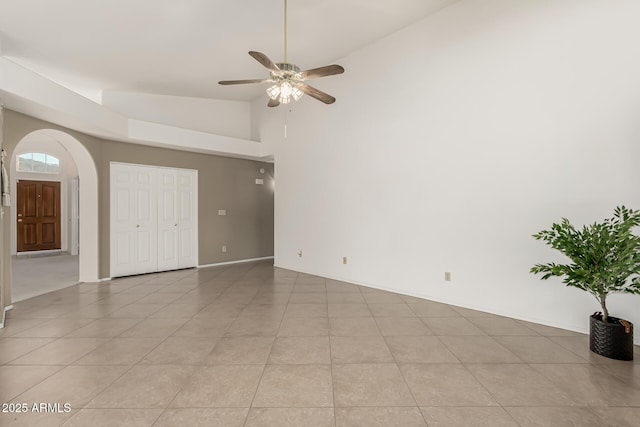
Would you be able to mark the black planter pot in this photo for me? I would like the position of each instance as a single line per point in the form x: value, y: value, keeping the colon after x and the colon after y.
x: 613, y: 339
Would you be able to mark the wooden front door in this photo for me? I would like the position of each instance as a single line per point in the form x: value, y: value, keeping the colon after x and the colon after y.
x: 38, y: 215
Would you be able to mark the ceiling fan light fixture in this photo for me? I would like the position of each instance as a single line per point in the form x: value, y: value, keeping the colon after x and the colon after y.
x: 286, y: 90
x: 274, y: 92
x: 283, y: 91
x: 297, y: 93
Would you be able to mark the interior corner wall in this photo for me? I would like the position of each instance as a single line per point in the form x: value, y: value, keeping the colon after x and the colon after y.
x: 452, y: 141
x: 224, y: 183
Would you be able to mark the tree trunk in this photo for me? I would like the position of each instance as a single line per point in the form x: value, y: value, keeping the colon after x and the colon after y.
x: 603, y: 303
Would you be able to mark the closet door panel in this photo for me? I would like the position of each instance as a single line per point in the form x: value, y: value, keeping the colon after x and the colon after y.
x: 123, y: 262
x: 146, y: 233
x: 188, y: 218
x: 123, y: 215
x: 167, y: 219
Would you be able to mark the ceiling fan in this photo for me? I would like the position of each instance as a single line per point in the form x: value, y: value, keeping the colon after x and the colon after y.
x: 288, y: 80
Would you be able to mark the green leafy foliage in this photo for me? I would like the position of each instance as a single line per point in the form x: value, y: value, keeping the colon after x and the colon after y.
x: 605, y: 256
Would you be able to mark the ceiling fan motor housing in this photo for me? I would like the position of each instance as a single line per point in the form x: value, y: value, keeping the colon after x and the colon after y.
x: 287, y: 71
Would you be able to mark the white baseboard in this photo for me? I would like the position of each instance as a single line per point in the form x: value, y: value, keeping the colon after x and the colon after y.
x: 241, y: 261
x: 36, y: 254
x: 4, y: 312
x: 575, y: 328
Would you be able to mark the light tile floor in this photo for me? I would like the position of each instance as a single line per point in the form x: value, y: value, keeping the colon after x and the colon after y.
x: 37, y: 274
x: 250, y: 345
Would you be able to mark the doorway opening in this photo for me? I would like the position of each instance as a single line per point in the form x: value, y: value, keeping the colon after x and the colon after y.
x: 54, y: 181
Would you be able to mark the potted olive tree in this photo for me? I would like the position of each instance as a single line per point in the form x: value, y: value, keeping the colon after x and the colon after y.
x: 605, y: 259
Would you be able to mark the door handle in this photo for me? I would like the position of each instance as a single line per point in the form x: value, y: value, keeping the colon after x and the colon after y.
x: 175, y: 225
x: 138, y: 226
x: 19, y: 220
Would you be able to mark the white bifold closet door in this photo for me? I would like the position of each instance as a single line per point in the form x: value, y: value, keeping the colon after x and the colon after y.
x: 167, y: 219
x: 176, y: 219
x: 187, y: 218
x: 153, y: 219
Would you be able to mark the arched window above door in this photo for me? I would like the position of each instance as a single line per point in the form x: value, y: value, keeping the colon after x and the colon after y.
x: 37, y: 162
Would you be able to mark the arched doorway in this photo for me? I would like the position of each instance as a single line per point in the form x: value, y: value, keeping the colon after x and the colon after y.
x: 87, y: 203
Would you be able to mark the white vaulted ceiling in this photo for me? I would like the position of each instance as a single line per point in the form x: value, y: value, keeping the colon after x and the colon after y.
x: 183, y: 48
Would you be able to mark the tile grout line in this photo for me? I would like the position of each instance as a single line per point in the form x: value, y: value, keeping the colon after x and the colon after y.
x: 131, y: 367
x: 255, y: 393
x: 195, y: 367
x: 404, y: 380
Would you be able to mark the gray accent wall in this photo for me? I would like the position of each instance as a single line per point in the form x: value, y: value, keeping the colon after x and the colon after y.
x: 223, y: 184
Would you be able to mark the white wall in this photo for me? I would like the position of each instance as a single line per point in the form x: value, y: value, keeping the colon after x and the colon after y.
x: 220, y: 117
x: 41, y: 143
x: 455, y: 139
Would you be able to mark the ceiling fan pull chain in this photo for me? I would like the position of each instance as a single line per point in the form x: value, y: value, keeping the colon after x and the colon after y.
x: 285, y: 124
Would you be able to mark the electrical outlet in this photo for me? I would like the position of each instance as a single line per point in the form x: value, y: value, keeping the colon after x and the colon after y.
x: 224, y: 249
x: 447, y: 276
x: 344, y: 259
x: 299, y: 253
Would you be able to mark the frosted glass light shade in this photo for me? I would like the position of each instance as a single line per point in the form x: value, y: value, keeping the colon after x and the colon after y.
x: 297, y: 93
x: 284, y: 91
x: 273, y: 92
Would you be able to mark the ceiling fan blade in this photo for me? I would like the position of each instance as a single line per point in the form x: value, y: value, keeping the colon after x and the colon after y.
x: 329, y: 70
x: 265, y: 61
x: 273, y: 103
x: 317, y: 94
x: 242, y: 82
